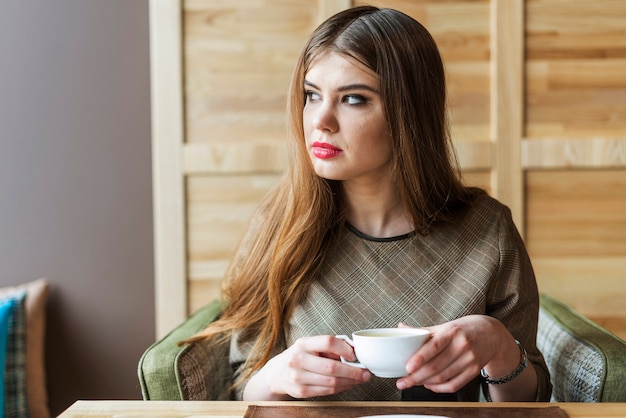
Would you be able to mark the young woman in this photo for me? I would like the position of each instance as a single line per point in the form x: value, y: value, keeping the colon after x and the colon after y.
x: 372, y: 227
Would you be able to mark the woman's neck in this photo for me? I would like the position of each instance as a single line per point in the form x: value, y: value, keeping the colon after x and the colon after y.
x: 376, y: 212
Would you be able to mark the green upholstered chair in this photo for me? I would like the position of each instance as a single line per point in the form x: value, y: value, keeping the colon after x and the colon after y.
x: 587, y: 363
x: 169, y: 371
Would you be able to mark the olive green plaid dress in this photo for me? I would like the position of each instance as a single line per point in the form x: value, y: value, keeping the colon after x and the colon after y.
x: 478, y: 265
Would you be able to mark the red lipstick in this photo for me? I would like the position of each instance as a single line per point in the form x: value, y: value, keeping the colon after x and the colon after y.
x: 325, y: 150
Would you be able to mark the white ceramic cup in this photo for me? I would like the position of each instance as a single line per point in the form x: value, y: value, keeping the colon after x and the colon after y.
x: 385, y: 351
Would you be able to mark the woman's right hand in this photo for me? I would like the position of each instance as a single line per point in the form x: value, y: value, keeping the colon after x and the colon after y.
x: 310, y: 367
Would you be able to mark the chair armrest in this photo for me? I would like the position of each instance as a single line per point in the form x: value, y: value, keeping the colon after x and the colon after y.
x: 587, y: 363
x: 158, y: 370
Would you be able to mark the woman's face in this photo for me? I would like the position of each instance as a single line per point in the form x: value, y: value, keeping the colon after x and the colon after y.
x: 344, y: 123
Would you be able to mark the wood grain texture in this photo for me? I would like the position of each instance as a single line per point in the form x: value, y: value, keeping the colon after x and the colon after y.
x: 507, y: 50
x: 238, y: 61
x: 578, y: 213
x: 222, y: 409
x: 233, y: 158
x: 271, y: 157
x: 576, y: 238
x: 328, y: 8
x: 167, y: 140
x: 218, y: 212
x: 573, y: 153
x: 594, y: 286
x: 576, y: 61
x: 576, y: 29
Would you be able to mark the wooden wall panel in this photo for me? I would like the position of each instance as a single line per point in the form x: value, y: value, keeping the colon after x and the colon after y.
x: 167, y: 137
x: 238, y: 60
x: 576, y: 238
x: 576, y: 84
x: 576, y: 213
x: 592, y: 285
x: 478, y: 178
x: 537, y: 99
x: 218, y: 210
x: 507, y: 23
x: 575, y: 153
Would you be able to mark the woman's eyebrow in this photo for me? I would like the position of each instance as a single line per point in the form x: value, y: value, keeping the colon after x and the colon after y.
x: 358, y: 87
x: 346, y: 87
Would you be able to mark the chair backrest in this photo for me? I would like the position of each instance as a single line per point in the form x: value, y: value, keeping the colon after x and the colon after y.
x: 169, y: 371
x: 587, y: 363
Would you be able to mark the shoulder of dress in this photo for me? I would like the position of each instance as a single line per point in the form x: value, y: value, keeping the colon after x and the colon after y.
x: 490, y: 206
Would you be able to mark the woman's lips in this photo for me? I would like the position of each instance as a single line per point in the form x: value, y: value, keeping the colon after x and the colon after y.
x: 324, y: 150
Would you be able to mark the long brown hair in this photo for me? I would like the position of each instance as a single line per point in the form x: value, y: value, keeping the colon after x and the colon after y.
x: 296, y: 223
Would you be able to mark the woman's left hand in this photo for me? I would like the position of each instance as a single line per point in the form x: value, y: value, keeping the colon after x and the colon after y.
x: 457, y: 350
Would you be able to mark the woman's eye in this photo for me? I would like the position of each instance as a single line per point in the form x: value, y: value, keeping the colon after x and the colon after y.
x: 311, y: 96
x: 354, y: 99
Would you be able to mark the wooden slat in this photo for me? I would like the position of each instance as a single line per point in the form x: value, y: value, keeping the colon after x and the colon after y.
x: 240, y: 157
x: 271, y: 157
x: 474, y: 155
x: 167, y: 139
x: 238, y: 58
x: 202, y: 292
x: 574, y: 153
x: 478, y: 178
x: 219, y: 208
x: 576, y: 61
x: 593, y: 286
x: 327, y: 8
x: 579, y: 29
x: 576, y: 98
x: 506, y: 104
x: 576, y: 213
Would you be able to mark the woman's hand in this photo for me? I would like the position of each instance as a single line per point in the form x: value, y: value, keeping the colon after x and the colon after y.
x: 310, y: 367
x: 457, y: 350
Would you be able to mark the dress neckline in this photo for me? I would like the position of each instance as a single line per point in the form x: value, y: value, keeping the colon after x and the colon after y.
x: 366, y: 237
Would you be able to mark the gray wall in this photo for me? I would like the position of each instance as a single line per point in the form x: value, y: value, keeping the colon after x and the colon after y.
x: 75, y: 184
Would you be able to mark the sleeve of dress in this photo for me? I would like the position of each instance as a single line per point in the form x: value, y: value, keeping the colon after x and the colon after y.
x: 239, y: 353
x: 513, y: 298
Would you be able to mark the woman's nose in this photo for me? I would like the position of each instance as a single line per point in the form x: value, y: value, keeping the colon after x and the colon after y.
x: 325, y: 118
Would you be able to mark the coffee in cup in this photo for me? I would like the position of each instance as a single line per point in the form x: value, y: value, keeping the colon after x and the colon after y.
x: 385, y: 351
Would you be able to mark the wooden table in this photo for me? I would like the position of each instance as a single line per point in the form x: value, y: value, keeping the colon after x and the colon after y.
x: 221, y: 409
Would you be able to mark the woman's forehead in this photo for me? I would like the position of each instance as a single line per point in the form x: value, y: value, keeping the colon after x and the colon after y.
x: 333, y: 62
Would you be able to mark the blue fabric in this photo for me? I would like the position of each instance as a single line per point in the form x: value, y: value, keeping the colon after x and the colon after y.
x: 6, y: 309
x: 15, y: 396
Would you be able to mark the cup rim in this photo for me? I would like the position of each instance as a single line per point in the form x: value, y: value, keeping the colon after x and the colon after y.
x: 407, y: 332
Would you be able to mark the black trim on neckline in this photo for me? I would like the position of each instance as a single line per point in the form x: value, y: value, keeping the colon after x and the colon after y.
x: 375, y: 239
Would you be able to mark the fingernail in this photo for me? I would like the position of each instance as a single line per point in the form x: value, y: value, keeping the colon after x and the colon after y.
x: 366, y: 375
x: 401, y: 385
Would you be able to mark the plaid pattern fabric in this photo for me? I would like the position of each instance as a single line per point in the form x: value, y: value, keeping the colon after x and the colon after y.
x: 476, y: 266
x: 580, y: 366
x: 15, y: 398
